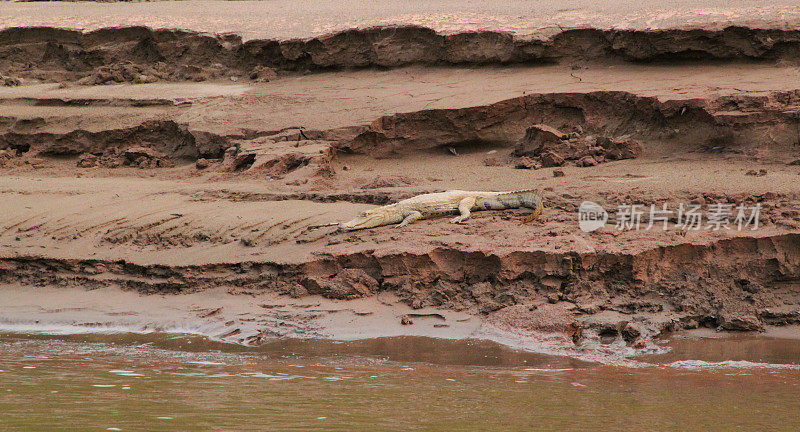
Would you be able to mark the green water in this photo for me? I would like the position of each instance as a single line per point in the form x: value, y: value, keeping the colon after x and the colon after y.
x: 169, y: 383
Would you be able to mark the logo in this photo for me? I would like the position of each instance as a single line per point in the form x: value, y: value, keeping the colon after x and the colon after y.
x: 591, y: 216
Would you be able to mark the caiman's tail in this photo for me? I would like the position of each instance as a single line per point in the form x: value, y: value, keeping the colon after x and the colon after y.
x: 531, y: 198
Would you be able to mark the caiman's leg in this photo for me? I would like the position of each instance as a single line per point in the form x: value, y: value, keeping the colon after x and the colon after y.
x: 464, y: 206
x: 415, y: 215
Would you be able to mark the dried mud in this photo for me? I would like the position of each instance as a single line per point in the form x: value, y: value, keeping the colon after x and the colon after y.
x: 141, y: 54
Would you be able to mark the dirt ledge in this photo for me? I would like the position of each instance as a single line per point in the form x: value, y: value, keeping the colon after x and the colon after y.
x: 141, y: 54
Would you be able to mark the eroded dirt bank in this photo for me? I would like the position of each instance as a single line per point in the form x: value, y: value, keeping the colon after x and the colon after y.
x: 766, y: 127
x: 753, y: 125
x: 141, y: 55
x: 221, y: 191
x: 739, y: 283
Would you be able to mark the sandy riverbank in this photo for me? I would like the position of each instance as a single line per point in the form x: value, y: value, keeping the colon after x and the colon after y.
x: 192, y: 206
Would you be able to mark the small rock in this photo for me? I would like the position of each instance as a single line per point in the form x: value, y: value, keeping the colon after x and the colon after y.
x: 230, y: 153
x: 263, y: 74
x: 6, y: 155
x: 491, y: 161
x: 552, y: 159
x: 7, y: 81
x: 525, y: 162
x: 732, y: 322
x: 586, y: 161
x: 405, y: 320
x: 87, y: 160
x: 575, y: 332
x: 630, y: 332
x: 760, y: 173
x: 795, y: 162
x: 298, y: 291
x: 699, y: 200
x: 558, y: 173
x: 243, y: 161
x: 202, y: 163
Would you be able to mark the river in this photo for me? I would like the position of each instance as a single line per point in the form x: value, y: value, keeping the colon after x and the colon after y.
x: 163, y: 382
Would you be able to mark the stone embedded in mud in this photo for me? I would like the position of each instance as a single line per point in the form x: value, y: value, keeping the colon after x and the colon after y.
x: 263, y: 74
x: 525, y: 162
x: 347, y: 284
x: 121, y: 73
x: 88, y: 160
x: 739, y: 322
x: 484, y: 295
x: 284, y: 164
x: 630, y: 332
x: 757, y: 173
x: 7, y: 81
x: 541, y: 135
x: 202, y: 163
x: 6, y: 156
x: 242, y: 161
x: 297, y: 291
x: 553, y: 148
x: 135, y: 156
x: 143, y: 157
x: 492, y: 161
x: 551, y: 159
x: 542, y: 318
x: 586, y: 161
x: 617, y: 149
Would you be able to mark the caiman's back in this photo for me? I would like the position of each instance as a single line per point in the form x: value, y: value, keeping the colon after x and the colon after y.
x: 436, y: 203
x: 447, y: 202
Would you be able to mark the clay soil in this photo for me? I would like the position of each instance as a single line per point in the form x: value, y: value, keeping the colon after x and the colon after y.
x: 149, y: 187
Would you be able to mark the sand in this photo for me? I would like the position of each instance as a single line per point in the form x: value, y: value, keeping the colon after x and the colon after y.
x: 195, y: 206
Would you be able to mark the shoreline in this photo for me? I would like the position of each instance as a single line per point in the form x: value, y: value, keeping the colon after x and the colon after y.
x: 116, y: 313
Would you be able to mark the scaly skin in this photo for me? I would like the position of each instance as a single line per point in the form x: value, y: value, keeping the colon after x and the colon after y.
x: 431, y: 205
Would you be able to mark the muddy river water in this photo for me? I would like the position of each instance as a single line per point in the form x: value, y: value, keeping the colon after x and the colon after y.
x: 175, y: 383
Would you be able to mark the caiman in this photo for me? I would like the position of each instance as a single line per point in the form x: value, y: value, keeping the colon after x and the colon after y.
x: 432, y: 205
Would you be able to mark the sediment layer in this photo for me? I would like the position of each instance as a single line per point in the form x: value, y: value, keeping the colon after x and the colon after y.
x: 757, y: 126
x: 140, y: 54
x: 740, y: 123
x: 739, y: 283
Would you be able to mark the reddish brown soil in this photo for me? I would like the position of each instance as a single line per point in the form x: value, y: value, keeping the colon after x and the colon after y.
x: 186, y: 188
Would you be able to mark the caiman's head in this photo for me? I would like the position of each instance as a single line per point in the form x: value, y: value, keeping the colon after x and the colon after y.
x: 371, y: 218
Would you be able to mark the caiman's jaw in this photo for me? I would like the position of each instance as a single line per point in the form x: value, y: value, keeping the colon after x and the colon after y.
x: 367, y: 219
